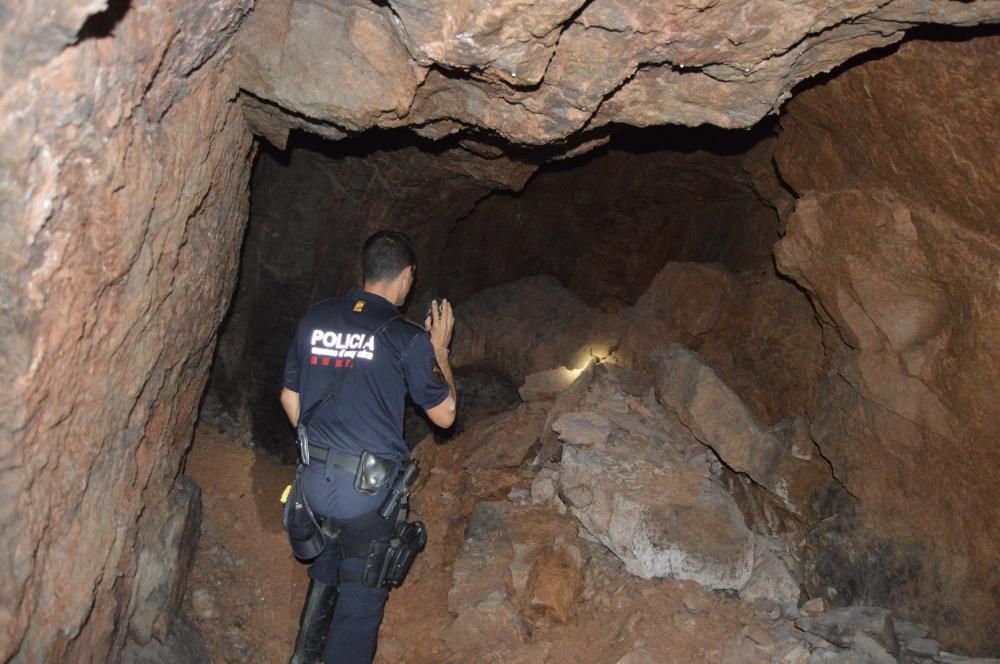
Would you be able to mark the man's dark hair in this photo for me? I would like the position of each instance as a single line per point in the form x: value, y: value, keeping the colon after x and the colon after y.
x: 385, y: 255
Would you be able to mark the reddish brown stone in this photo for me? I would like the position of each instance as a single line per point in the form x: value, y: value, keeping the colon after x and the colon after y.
x: 539, y: 72
x: 554, y: 583
x: 894, y: 236
x: 124, y: 169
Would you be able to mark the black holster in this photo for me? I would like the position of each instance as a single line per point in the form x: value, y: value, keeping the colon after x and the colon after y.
x: 389, y: 559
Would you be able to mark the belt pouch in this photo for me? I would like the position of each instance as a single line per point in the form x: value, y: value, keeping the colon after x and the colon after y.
x: 305, y: 536
x: 373, y: 472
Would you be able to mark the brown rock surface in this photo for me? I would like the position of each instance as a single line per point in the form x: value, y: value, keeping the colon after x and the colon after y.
x: 531, y: 325
x: 336, y: 62
x: 757, y: 331
x: 487, y: 623
x: 669, y: 523
x: 507, y: 42
x: 538, y: 73
x: 682, y: 202
x: 124, y: 170
x: 720, y: 420
x: 555, y: 582
x: 895, y: 238
x: 164, y: 561
x: 519, y: 431
x: 646, y: 493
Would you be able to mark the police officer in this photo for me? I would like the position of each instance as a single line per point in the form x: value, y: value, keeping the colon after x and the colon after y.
x: 360, y: 347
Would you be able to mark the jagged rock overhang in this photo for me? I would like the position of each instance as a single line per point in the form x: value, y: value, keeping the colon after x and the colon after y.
x: 552, y: 73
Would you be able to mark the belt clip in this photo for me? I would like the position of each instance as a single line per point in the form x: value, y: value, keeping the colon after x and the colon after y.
x: 303, y: 437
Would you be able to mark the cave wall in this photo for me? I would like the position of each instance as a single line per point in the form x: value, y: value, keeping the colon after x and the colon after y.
x: 312, y: 209
x: 123, y: 196
x: 582, y: 220
x: 895, y: 236
x: 679, y: 195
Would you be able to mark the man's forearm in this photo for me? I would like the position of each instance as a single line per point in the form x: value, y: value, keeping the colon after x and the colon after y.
x: 441, y: 356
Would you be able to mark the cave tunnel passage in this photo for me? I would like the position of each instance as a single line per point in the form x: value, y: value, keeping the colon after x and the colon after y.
x: 603, y: 224
x: 720, y: 386
x: 813, y: 263
x: 546, y: 263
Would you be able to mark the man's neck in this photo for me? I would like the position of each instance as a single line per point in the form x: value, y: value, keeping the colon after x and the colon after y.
x: 385, y: 290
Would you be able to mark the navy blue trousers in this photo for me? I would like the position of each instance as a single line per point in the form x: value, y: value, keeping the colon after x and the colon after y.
x: 356, y: 620
x: 354, y: 630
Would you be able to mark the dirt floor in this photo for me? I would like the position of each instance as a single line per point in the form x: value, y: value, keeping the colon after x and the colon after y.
x: 246, y: 589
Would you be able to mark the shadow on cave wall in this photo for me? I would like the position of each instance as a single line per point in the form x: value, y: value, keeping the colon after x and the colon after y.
x: 604, y: 223
x: 679, y: 193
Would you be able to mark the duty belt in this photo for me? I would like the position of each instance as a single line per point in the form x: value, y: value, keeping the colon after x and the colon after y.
x: 347, y: 462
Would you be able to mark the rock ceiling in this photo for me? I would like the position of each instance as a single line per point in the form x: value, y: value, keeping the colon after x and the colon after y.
x: 535, y: 73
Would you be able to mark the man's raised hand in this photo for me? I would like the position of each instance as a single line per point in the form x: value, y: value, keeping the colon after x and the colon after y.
x: 440, y: 324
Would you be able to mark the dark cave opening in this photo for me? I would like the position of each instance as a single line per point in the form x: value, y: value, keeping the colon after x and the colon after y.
x: 682, y: 195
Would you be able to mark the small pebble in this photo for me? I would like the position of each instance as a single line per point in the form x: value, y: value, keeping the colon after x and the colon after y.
x: 204, y: 604
x: 813, y: 607
x: 696, y: 604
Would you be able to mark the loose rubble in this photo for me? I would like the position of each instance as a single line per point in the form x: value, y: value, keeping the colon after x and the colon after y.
x: 515, y: 571
x: 630, y: 522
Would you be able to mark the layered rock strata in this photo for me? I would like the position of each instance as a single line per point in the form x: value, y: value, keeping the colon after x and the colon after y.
x: 538, y: 73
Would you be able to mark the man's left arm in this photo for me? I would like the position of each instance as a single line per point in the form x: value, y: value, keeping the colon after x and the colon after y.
x: 290, y: 403
x: 437, y: 400
x: 289, y: 396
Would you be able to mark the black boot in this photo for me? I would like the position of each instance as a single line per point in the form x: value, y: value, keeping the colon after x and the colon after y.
x: 314, y: 624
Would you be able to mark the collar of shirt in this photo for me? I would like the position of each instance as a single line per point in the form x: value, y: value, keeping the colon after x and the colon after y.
x: 374, y: 299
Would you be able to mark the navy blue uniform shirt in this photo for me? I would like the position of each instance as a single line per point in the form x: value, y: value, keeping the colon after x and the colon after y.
x: 366, y: 413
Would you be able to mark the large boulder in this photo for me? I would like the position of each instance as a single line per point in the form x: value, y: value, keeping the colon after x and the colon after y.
x: 531, y: 325
x: 660, y: 521
x: 718, y: 418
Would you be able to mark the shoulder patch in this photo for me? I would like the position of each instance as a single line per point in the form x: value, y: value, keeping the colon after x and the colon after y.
x: 359, y: 306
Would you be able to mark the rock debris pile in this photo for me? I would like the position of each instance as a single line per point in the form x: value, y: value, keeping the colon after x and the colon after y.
x: 626, y: 525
